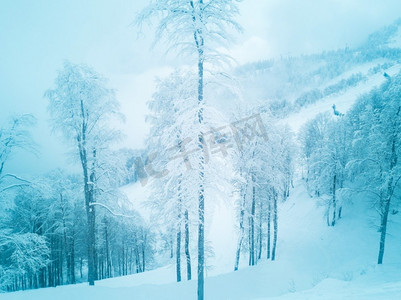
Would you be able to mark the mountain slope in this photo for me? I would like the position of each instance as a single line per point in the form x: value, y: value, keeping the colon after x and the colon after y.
x: 313, y: 260
x: 291, y: 84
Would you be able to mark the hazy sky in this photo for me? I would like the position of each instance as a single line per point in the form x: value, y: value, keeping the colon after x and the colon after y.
x: 37, y: 35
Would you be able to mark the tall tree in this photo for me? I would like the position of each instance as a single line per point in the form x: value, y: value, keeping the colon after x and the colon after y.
x: 198, y: 27
x: 265, y: 165
x: 171, y: 108
x: 81, y: 106
x: 376, y: 126
x: 325, y: 148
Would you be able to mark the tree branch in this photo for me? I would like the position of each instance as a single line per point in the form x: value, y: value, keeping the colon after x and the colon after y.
x: 112, y: 212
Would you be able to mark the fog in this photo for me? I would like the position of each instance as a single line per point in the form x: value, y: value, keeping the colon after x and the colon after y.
x: 37, y: 36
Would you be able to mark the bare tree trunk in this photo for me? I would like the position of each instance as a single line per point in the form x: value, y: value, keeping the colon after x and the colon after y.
x: 249, y: 241
x: 274, y: 224
x: 328, y: 214
x: 137, y: 261
x: 178, y: 234
x: 386, y: 208
x: 73, y: 280
x: 143, y: 253
x: 171, y: 243
x: 201, y: 198
x: 81, y: 267
x: 108, y: 264
x: 187, y: 253
x: 383, y: 230
x: 91, y: 236
x: 252, y: 252
x: 66, y: 250
x: 260, y: 230
x: 333, y: 221
x: 131, y: 261
x: 88, y: 189
x: 123, y: 258
x: 268, y: 227
x: 201, y: 242
x: 340, y: 209
x: 242, y: 231
x: 178, y: 252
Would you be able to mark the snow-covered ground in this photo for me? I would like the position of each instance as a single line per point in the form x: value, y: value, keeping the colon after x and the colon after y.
x: 343, y: 101
x: 314, y: 261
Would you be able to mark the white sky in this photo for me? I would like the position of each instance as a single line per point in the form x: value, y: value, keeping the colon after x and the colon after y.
x: 36, y: 36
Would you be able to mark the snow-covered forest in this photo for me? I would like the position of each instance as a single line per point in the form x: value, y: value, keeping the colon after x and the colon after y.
x: 200, y: 169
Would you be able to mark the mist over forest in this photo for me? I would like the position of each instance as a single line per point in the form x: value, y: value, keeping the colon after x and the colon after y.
x: 200, y: 149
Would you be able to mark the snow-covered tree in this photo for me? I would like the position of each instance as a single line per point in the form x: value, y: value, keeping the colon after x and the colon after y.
x: 265, y: 164
x: 63, y: 192
x: 173, y: 192
x: 81, y: 107
x: 198, y: 27
x: 24, y: 227
x: 325, y: 147
x: 22, y: 256
x: 174, y: 155
x: 13, y: 136
x: 376, y: 127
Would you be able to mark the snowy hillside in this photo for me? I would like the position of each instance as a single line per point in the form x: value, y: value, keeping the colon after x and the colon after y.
x: 314, y: 261
x: 275, y: 178
x: 290, y: 85
x: 343, y: 99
